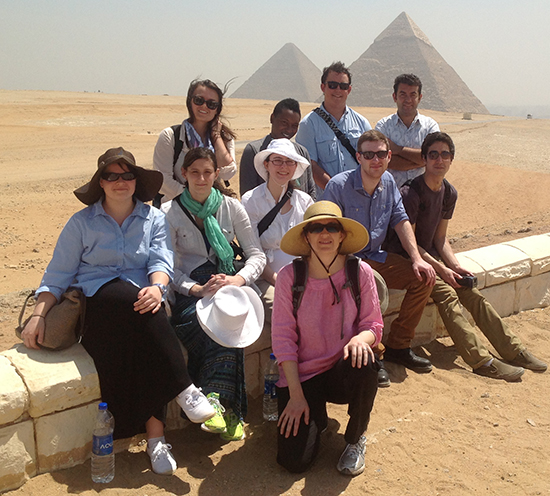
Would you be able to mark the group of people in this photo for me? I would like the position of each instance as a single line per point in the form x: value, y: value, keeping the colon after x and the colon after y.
x: 319, y: 218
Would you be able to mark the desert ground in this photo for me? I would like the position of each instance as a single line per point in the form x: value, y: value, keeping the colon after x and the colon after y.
x: 445, y: 433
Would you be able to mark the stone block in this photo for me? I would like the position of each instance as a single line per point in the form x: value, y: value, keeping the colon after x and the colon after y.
x: 64, y: 439
x: 396, y: 298
x: 14, y: 398
x: 537, y: 248
x: 533, y: 292
x: 475, y: 268
x: 56, y: 380
x: 502, y: 297
x: 425, y: 331
x: 253, y: 373
x: 174, y: 419
x: 500, y: 262
x: 17, y: 455
x: 263, y: 342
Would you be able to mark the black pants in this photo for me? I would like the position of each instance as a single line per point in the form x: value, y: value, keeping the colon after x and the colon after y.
x: 343, y: 384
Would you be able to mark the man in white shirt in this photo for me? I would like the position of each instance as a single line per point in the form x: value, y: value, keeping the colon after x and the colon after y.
x: 406, y: 129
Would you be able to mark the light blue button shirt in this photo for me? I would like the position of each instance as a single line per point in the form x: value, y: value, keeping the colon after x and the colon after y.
x: 377, y: 212
x: 93, y: 249
x: 323, y: 145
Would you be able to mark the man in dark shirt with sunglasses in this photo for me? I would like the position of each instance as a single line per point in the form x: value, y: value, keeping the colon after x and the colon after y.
x: 328, y: 155
x: 370, y: 196
x: 430, y: 201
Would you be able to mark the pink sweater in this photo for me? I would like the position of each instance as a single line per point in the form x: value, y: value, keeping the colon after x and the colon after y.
x: 320, y: 345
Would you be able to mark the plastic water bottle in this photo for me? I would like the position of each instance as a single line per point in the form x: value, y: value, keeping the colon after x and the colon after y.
x: 103, y: 457
x: 271, y: 376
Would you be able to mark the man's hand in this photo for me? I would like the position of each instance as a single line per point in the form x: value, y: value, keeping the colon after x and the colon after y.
x: 421, y: 267
x: 149, y: 300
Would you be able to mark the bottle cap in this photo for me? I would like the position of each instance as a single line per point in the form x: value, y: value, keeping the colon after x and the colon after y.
x: 272, y: 356
x: 103, y: 406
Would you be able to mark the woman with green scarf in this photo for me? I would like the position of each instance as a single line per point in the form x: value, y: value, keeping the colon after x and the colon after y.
x: 203, y: 222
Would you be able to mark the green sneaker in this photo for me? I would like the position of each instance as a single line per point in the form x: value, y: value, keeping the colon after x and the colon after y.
x: 216, y: 424
x: 235, y: 428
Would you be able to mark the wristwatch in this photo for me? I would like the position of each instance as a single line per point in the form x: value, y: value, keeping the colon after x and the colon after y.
x: 162, y: 288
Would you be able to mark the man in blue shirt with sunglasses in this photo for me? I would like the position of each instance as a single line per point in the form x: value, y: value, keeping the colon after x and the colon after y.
x: 329, y: 155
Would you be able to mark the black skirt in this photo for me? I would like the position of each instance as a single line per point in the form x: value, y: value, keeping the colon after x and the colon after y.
x: 137, y: 356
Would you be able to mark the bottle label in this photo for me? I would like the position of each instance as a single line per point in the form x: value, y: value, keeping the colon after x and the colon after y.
x: 270, y: 389
x: 103, y: 445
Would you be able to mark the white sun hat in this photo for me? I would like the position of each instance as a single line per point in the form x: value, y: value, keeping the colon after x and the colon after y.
x: 233, y: 317
x: 286, y: 148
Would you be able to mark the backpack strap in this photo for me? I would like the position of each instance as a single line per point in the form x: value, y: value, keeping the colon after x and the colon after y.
x: 299, y: 285
x: 178, y: 146
x: 352, y: 268
x: 415, y: 186
x: 339, y: 134
x: 268, y: 218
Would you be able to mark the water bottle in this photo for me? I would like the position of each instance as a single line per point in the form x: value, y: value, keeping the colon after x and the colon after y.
x: 103, y: 457
x: 271, y: 376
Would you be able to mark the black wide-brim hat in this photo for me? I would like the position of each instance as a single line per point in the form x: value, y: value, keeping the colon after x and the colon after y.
x: 148, y: 182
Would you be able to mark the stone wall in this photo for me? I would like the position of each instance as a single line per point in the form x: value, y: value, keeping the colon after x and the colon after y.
x: 48, y: 400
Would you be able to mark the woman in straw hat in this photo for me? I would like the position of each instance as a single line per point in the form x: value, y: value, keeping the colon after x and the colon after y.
x: 203, y: 222
x: 278, y: 165
x: 203, y: 128
x: 325, y: 352
x: 117, y: 252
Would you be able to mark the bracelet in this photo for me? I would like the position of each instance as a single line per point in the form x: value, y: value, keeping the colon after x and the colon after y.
x: 39, y: 316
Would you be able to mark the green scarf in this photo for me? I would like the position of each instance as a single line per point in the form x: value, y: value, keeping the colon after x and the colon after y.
x: 212, y: 229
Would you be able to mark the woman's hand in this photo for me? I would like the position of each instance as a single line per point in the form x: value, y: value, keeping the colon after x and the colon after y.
x: 359, y: 350
x: 149, y: 300
x: 216, y: 282
x: 34, y: 332
x: 215, y: 129
x: 289, y: 420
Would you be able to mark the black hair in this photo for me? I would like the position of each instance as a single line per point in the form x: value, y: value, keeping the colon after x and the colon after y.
x: 287, y: 104
x: 434, y: 138
x: 409, y: 79
x: 338, y: 68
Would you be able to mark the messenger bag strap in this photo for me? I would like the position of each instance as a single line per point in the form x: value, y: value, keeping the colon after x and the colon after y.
x: 268, y: 218
x: 339, y: 134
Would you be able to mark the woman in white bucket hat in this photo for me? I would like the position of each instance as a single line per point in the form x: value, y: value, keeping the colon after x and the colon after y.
x: 279, y: 165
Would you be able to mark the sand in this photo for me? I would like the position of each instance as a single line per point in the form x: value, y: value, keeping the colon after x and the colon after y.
x: 448, y: 432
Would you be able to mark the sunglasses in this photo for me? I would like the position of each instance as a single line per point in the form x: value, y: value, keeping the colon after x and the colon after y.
x: 370, y: 155
x: 115, y: 176
x: 332, y: 228
x: 211, y: 104
x: 278, y: 162
x: 334, y: 84
x: 434, y: 155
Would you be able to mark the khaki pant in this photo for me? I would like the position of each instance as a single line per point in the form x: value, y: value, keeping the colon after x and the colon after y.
x: 464, y: 336
x: 398, y: 274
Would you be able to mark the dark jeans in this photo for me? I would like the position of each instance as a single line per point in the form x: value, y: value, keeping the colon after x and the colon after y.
x: 343, y: 384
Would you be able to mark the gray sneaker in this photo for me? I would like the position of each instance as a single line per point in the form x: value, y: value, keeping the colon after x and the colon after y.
x: 528, y: 361
x: 500, y: 370
x: 352, y: 461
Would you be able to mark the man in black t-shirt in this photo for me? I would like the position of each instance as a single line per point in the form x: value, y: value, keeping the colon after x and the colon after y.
x: 430, y: 201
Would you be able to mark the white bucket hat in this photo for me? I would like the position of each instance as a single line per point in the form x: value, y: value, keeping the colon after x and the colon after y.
x: 233, y: 317
x: 284, y: 147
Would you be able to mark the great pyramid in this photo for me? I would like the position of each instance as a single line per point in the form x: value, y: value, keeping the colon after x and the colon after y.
x: 403, y: 48
x: 287, y: 74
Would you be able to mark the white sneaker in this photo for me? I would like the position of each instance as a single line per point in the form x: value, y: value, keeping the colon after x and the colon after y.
x: 195, y: 405
x: 352, y: 461
x: 162, y: 461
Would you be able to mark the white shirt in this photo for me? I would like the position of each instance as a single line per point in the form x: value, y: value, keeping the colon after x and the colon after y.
x: 190, y: 248
x: 258, y: 202
x: 163, y: 161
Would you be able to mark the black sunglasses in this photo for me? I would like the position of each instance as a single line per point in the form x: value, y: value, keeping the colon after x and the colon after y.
x: 332, y: 228
x: 370, y: 155
x: 334, y: 84
x: 434, y: 155
x: 115, y: 176
x: 211, y: 104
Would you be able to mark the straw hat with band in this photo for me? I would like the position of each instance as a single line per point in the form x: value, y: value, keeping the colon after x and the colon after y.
x: 286, y: 148
x: 148, y: 182
x: 233, y: 317
x: 357, y: 237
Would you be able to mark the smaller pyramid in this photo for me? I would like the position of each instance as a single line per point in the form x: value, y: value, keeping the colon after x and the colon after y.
x: 403, y: 48
x: 287, y: 74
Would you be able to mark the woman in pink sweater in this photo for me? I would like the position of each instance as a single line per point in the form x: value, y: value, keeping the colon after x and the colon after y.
x: 324, y: 349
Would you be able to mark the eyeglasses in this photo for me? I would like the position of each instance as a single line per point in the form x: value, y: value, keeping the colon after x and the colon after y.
x: 370, y: 155
x: 332, y: 228
x: 278, y: 162
x: 211, y: 104
x: 334, y: 84
x: 115, y: 176
x: 445, y: 155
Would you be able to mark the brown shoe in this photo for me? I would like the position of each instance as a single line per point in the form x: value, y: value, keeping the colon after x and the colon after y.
x: 500, y: 370
x: 526, y: 360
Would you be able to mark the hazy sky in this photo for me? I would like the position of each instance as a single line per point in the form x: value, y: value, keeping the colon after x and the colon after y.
x: 500, y: 48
